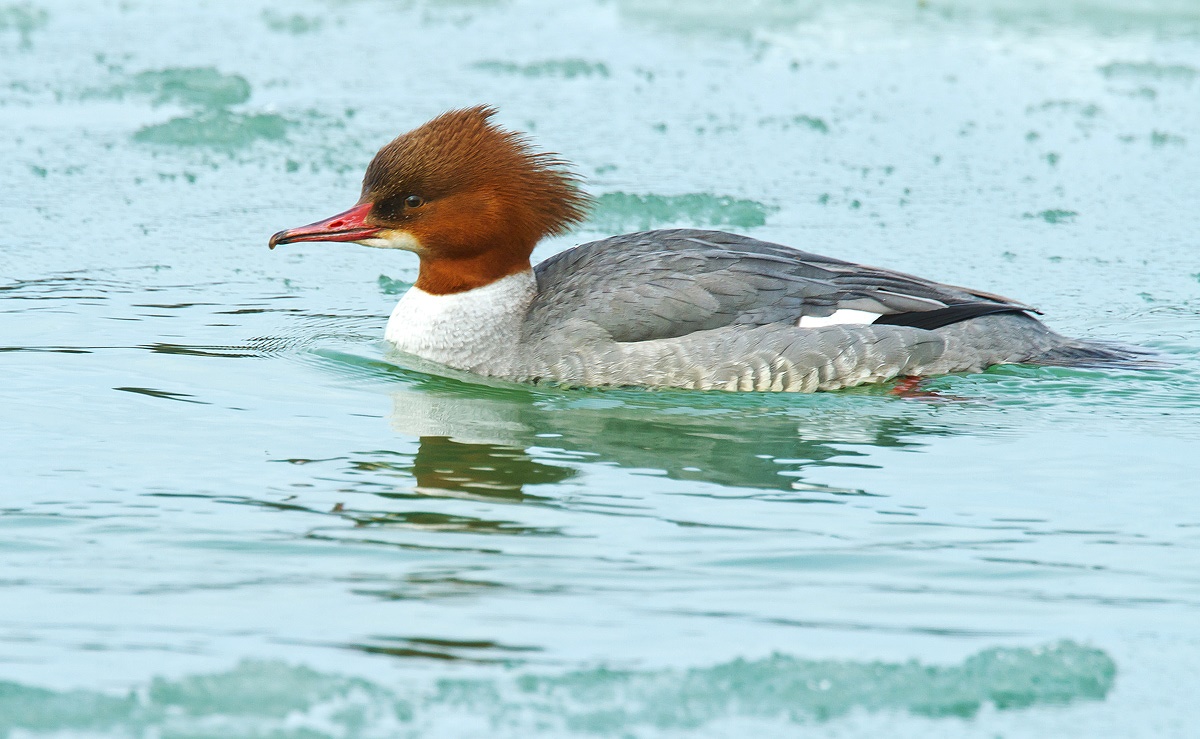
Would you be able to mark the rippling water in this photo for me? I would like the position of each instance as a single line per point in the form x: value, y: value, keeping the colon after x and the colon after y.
x: 228, y: 512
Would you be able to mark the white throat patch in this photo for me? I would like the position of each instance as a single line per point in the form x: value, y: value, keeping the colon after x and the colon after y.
x: 393, y: 239
x: 476, y: 330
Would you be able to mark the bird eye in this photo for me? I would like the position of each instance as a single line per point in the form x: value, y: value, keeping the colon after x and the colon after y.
x: 414, y: 201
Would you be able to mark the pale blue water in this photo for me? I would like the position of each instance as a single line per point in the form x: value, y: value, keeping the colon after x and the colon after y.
x: 226, y: 512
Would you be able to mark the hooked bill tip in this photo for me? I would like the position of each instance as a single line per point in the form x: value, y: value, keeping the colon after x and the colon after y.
x: 349, y: 225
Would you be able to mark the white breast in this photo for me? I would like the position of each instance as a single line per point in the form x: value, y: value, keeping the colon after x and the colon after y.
x: 475, y: 330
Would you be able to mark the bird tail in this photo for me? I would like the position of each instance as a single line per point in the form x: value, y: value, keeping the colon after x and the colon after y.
x: 1099, y: 355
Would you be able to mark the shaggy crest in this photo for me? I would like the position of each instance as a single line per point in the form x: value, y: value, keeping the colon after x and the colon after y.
x: 462, y: 151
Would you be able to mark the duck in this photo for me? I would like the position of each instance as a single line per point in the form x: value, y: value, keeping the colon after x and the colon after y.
x: 671, y: 308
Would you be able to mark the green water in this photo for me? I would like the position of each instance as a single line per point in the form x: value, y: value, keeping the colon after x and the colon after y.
x: 228, y: 512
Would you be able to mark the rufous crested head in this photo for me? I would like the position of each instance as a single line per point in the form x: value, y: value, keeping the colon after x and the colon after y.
x: 468, y: 197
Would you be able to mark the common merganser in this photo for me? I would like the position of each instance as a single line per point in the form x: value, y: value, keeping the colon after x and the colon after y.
x: 680, y: 308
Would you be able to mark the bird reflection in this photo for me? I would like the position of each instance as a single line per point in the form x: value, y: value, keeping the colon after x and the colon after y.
x: 484, y: 470
x: 477, y: 440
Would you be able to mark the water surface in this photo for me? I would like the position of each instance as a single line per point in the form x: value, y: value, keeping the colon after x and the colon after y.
x: 227, y: 511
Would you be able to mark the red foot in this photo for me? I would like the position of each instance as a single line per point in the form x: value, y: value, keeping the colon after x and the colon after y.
x: 909, y: 387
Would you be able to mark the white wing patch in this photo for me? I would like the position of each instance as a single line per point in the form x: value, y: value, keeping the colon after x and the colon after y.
x: 844, y: 315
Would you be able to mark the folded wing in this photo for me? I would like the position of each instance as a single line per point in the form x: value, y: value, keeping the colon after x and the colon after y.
x: 664, y: 284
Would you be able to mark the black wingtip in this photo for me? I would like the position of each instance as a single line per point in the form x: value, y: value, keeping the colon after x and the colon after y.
x: 939, y: 317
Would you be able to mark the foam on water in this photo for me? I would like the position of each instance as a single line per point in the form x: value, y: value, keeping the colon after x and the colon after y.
x: 277, y: 699
x: 220, y: 129
x: 24, y: 19
x: 228, y: 510
x: 621, y: 211
x: 565, y: 68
